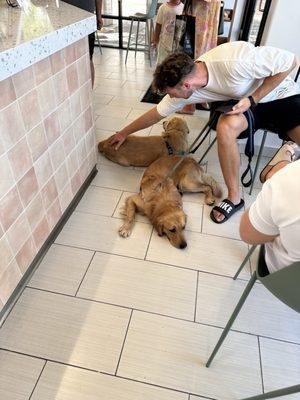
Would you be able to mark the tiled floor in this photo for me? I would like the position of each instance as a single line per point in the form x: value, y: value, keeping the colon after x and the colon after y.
x: 136, y: 319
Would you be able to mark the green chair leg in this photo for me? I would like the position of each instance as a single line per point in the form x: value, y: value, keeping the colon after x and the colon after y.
x: 276, y: 393
x: 128, y: 44
x: 233, y: 317
x: 245, y: 260
x: 258, y: 160
x: 137, y: 37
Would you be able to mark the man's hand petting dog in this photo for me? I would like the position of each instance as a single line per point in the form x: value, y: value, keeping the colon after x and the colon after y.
x: 117, y: 140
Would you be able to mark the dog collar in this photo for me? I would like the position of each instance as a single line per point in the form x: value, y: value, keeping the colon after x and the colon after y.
x: 170, y: 150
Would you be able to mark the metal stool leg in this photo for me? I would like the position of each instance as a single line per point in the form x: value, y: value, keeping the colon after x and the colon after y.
x: 276, y: 393
x: 232, y: 318
x: 99, y: 44
x: 137, y: 37
x: 148, y: 43
x: 245, y: 260
x: 258, y: 159
x: 129, y: 38
x: 207, y: 150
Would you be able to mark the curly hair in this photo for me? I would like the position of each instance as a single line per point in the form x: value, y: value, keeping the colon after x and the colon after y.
x: 171, y: 71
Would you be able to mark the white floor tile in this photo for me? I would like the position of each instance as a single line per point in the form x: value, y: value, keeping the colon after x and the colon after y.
x: 117, y: 177
x: 262, y: 314
x: 66, y: 329
x: 101, y: 99
x: 113, y: 111
x: 172, y: 353
x: 101, y: 201
x: 280, y: 365
x: 113, y: 279
x: 62, y: 269
x: 194, y: 216
x: 114, y: 124
x: 131, y: 102
x: 18, y: 375
x: 67, y: 383
x: 204, y: 253
x: 95, y: 232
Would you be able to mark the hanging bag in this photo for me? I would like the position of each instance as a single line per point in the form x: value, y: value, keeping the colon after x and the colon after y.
x: 184, y: 33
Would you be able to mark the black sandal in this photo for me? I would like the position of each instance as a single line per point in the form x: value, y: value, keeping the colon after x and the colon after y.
x: 226, y: 208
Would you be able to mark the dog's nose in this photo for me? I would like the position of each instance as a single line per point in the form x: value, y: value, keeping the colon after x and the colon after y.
x: 183, y: 245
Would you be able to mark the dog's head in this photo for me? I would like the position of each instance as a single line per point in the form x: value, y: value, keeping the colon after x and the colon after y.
x: 176, y: 131
x: 168, y: 216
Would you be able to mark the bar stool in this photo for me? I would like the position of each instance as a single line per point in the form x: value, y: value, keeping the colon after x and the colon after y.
x: 148, y: 19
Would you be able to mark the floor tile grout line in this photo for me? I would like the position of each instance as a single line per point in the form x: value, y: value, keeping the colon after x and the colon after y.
x: 161, y: 315
x: 121, y: 352
x: 84, y: 275
x: 36, y: 383
x: 118, y: 202
x: 150, y: 237
x: 196, y: 297
x: 103, y: 373
x: 152, y: 261
x: 260, y: 363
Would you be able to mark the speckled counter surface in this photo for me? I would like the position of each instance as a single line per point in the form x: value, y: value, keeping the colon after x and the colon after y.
x: 38, y: 30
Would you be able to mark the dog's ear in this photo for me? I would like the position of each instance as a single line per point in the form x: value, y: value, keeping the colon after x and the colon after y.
x: 165, y: 125
x: 159, y: 228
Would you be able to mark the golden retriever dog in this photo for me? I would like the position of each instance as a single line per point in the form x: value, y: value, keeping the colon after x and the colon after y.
x: 141, y: 151
x: 160, y: 200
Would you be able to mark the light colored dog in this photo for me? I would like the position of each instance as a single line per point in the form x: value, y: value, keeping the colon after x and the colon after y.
x: 141, y: 151
x: 160, y: 200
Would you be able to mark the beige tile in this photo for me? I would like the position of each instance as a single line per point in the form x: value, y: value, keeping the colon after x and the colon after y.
x: 42, y: 70
x: 43, y: 169
x: 280, y: 365
x: 9, y: 279
x: 8, y: 94
x: 72, y: 78
x: 11, y: 123
x: 194, y: 216
x: 118, y: 177
x: 218, y: 296
x: 23, y: 81
x: 57, y: 61
x: 99, y: 201
x: 18, y: 375
x: 113, y: 279
x: 52, y: 127
x: 20, y: 158
x: 204, y: 252
x: 113, y: 111
x: 61, y: 270
x: 30, y: 109
x: 26, y: 255
x: 10, y: 208
x: 46, y: 97
x: 18, y: 233
x: 54, y: 214
x: 37, y: 142
x: 66, y: 329
x: 172, y: 353
x: 28, y: 187
x: 100, y: 233
x: 41, y: 232
x: 6, y: 253
x: 68, y: 383
x: 131, y: 102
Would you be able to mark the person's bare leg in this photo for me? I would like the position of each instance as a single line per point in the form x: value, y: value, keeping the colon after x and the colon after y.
x: 294, y: 134
x: 228, y: 129
x: 92, y: 72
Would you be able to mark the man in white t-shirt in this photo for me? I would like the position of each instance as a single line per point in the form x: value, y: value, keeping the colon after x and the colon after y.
x: 258, y: 77
x: 274, y: 217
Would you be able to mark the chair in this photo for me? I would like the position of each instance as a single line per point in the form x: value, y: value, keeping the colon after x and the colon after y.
x: 283, y: 284
x: 98, y: 41
x: 139, y: 17
x: 208, y: 127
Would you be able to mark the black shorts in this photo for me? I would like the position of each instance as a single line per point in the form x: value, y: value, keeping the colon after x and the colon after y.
x: 278, y: 116
x: 92, y: 38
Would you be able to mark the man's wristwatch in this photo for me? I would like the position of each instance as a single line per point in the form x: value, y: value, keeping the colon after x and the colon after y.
x: 252, y: 102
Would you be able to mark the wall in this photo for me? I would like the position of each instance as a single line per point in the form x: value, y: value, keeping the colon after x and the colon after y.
x: 47, y: 149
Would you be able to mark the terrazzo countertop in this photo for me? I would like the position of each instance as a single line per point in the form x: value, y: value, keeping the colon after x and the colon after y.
x: 37, y: 30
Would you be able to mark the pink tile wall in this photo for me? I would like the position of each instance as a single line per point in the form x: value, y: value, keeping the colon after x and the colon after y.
x: 47, y: 149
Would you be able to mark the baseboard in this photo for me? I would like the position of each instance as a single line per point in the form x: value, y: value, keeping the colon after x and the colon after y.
x: 42, y: 252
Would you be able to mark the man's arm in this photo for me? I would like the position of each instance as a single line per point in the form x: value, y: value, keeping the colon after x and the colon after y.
x: 98, y: 14
x: 249, y: 234
x: 150, y: 118
x: 269, y: 83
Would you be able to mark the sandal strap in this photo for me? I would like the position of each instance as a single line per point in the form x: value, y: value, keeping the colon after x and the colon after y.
x: 226, y: 208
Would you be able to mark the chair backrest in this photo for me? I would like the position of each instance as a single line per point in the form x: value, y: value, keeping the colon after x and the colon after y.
x: 284, y: 283
x: 152, y: 9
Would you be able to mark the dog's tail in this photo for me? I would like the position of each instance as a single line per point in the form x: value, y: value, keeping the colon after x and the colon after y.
x: 209, y: 180
x: 101, y: 146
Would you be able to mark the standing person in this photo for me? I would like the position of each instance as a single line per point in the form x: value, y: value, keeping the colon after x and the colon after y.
x: 90, y: 6
x: 258, y: 77
x: 274, y: 218
x: 165, y: 27
x: 207, y: 13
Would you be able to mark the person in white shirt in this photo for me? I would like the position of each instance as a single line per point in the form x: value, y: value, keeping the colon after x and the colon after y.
x: 274, y: 217
x: 165, y: 28
x: 258, y: 77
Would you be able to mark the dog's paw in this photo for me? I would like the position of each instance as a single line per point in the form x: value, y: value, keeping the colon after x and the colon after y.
x: 210, y: 202
x: 125, y: 230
